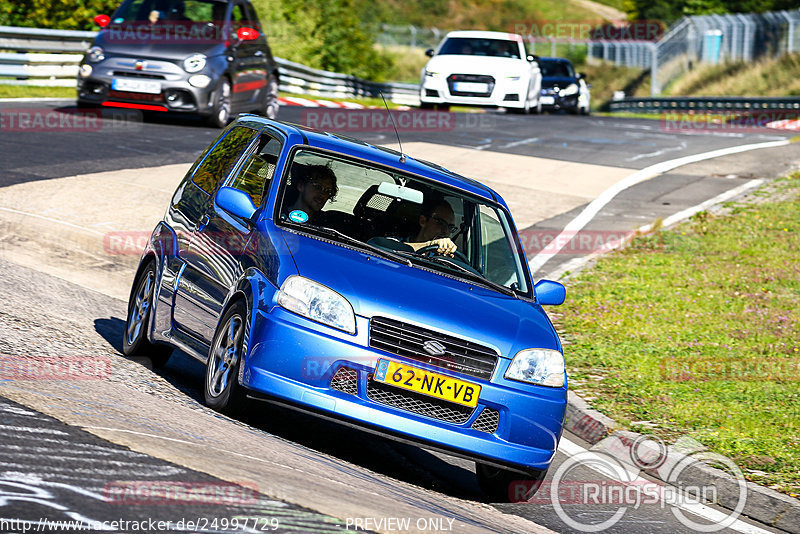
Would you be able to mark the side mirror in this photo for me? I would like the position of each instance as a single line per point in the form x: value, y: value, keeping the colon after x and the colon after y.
x: 102, y: 20
x: 247, y: 34
x: 549, y: 293
x: 531, y: 58
x: 581, y: 76
x: 429, y: 52
x: 235, y: 202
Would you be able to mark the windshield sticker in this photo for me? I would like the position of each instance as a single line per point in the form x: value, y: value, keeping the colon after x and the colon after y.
x: 298, y: 216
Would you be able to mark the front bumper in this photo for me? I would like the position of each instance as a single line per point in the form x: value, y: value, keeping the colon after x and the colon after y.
x: 551, y: 101
x: 293, y: 360
x: 501, y: 91
x: 176, y: 93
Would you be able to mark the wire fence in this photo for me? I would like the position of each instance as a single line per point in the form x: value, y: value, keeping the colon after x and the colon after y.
x: 706, y: 39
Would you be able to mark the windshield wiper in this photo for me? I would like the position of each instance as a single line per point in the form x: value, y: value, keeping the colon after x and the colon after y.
x: 362, y: 245
x: 472, y: 276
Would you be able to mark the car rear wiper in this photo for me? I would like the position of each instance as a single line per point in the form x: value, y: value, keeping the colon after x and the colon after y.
x: 362, y: 245
x: 472, y: 276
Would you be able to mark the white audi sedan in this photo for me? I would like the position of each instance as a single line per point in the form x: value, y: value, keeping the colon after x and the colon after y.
x: 479, y: 68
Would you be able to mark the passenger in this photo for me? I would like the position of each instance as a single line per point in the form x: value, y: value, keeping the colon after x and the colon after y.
x: 315, y: 186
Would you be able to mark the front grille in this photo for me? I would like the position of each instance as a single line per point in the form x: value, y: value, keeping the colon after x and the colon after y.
x: 346, y: 381
x: 511, y: 97
x: 417, y: 403
x: 487, y: 421
x: 407, y: 340
x: 127, y: 95
x: 137, y: 74
x: 477, y: 78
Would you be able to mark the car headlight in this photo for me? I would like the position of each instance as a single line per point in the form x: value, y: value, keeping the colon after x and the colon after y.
x: 431, y: 74
x: 317, y: 302
x: 200, y: 81
x: 85, y: 71
x: 194, y: 63
x: 543, y: 367
x: 571, y: 89
x: 95, y: 54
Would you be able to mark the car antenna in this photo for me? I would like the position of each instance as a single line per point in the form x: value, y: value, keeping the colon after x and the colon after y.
x: 402, y: 155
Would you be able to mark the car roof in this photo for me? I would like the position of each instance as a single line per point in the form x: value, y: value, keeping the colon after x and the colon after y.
x: 485, y: 35
x: 350, y: 146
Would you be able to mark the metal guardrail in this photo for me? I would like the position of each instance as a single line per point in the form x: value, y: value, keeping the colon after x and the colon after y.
x: 22, y: 63
x: 711, y: 105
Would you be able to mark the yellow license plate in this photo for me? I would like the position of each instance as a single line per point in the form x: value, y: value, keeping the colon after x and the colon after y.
x: 431, y: 384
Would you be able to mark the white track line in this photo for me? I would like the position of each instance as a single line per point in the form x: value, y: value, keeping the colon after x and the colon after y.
x: 675, y: 218
x: 570, y: 448
x: 594, y: 207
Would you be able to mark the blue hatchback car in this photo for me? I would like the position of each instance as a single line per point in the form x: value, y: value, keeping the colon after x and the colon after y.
x: 356, y: 283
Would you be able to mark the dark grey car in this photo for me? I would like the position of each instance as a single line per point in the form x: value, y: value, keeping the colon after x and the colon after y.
x: 204, y: 57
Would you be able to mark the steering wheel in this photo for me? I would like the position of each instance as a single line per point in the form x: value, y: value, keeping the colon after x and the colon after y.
x: 431, y: 250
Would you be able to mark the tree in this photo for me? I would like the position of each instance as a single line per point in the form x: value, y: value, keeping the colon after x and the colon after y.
x: 57, y: 14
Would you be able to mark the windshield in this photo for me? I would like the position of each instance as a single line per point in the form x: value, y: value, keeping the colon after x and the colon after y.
x: 403, y: 217
x: 556, y: 69
x: 472, y: 46
x: 167, y: 11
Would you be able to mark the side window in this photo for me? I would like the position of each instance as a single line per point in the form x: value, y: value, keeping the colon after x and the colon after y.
x: 255, y: 175
x: 239, y: 16
x: 222, y: 158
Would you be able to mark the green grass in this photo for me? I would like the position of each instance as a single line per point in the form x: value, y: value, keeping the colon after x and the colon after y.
x: 767, y: 77
x: 22, y: 91
x: 696, y: 330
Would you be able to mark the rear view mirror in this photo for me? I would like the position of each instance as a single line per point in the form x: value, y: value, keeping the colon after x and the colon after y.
x: 102, y: 20
x: 235, y: 202
x: 398, y: 191
x: 549, y: 293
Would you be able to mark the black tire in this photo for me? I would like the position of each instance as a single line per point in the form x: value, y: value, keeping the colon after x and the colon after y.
x: 271, y: 104
x: 221, y: 385
x: 502, y: 485
x: 221, y: 114
x: 137, y: 323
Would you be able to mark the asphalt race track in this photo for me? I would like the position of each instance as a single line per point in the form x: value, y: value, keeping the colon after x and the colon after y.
x: 82, y: 450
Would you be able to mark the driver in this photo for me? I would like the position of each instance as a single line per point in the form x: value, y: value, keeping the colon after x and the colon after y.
x: 436, y: 225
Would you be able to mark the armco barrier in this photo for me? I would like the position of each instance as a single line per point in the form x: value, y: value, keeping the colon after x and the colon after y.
x: 722, y: 104
x: 34, y: 56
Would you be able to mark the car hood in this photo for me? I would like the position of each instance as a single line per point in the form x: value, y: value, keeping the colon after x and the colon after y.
x: 559, y: 81
x: 495, y: 66
x: 378, y: 287
x: 133, y: 41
